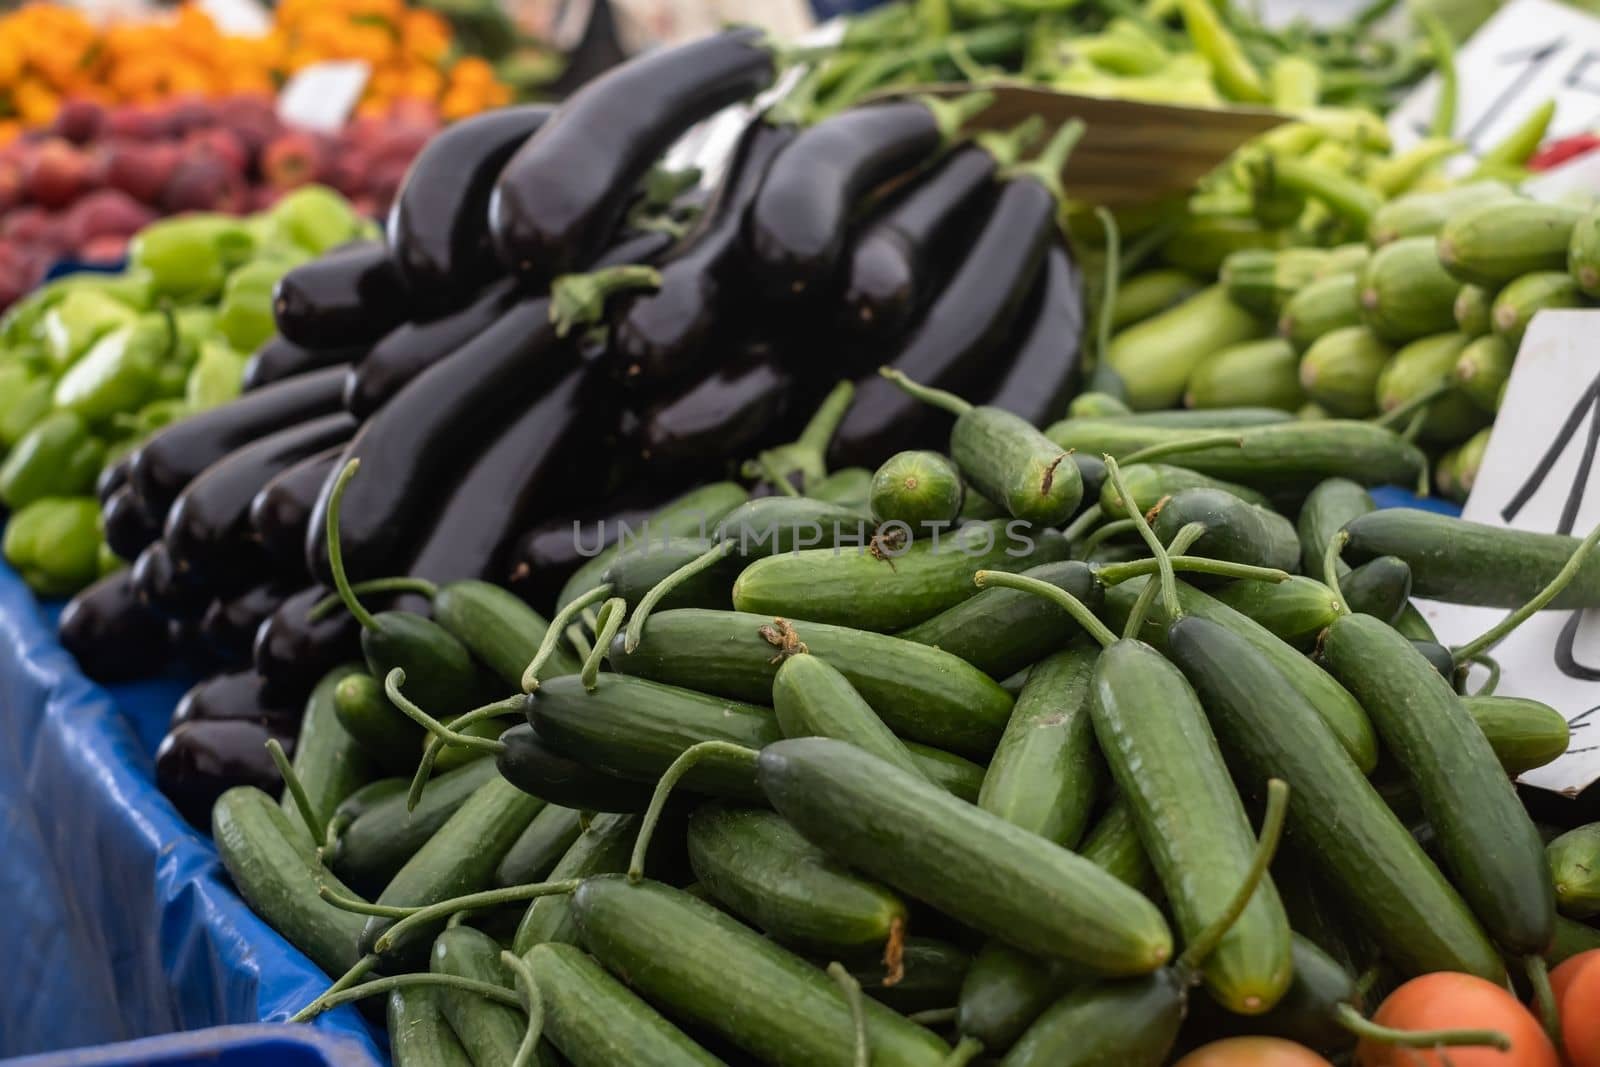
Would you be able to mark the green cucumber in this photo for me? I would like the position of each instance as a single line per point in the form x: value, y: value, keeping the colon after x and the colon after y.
x: 1092, y: 404
x: 1464, y: 562
x: 1130, y: 1023
x: 1340, y: 823
x: 974, y: 505
x: 1236, y: 531
x: 498, y: 628
x: 971, y: 865
x: 1344, y: 259
x: 1420, y: 367
x: 684, y: 955
x: 1523, y: 733
x: 1482, y: 369
x: 1575, y: 871
x: 1165, y: 760
x: 1201, y: 242
x: 957, y: 774
x: 1261, y: 281
x: 1010, y: 462
x: 894, y: 587
x: 594, y: 1021
x: 1325, y: 305
x: 1324, y: 513
x: 1045, y: 775
x: 1466, y: 460
x: 1149, y: 483
x: 1150, y: 293
x: 1263, y: 373
x: 605, y: 847
x: 1405, y: 293
x: 1526, y: 296
x: 1287, y: 456
x: 540, y: 847
x: 812, y: 699
x: 460, y: 858
x: 419, y: 1035
x: 490, y: 1031
x: 1380, y: 587
x: 1340, y: 370
x: 933, y: 973
x: 1000, y: 631
x: 275, y: 870
x: 635, y: 572
x: 1572, y: 937
x: 1295, y: 611
x: 379, y: 841
x: 388, y: 738
x: 775, y: 525
x: 1308, y: 1012
x: 1480, y: 826
x: 1472, y: 310
x: 359, y: 803
x: 923, y: 693
x: 1333, y: 703
x: 764, y: 872
x: 537, y: 769
x: 849, y: 488
x: 915, y: 488
x: 1187, y: 419
x: 1155, y: 357
x: 1495, y: 242
x: 1424, y: 214
x: 1113, y: 846
x: 1583, y: 253
x: 329, y: 762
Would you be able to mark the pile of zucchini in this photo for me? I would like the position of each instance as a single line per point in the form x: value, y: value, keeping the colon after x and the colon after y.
x: 982, y: 757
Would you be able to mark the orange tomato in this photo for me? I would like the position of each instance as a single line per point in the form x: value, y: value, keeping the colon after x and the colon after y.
x: 1449, y: 1001
x: 1252, y: 1052
x: 1577, y: 986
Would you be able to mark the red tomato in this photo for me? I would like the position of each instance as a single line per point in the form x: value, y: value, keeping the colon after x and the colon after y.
x: 1252, y: 1052
x: 1579, y: 999
x: 1449, y: 1001
x: 1562, y: 976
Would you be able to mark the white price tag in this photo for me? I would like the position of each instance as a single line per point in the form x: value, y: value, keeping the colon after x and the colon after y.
x: 322, y: 96
x: 1539, y: 474
x: 244, y: 17
x: 1529, y: 52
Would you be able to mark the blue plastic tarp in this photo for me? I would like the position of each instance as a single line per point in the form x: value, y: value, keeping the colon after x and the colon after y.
x: 116, y: 918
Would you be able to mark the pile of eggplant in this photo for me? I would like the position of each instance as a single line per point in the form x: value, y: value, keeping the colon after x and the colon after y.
x: 554, y: 329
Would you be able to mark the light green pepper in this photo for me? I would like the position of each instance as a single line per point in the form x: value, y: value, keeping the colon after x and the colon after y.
x: 119, y: 373
x: 78, y: 320
x: 24, y: 400
x: 316, y: 218
x: 188, y: 258
x: 58, y: 457
x: 216, y: 376
x: 195, y: 324
x: 55, y: 544
x: 245, y: 315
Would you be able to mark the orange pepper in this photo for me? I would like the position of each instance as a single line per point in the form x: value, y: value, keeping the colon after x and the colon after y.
x: 474, y: 71
x: 36, y: 104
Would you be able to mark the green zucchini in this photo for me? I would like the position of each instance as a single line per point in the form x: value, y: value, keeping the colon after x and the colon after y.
x: 1324, y: 513
x: 419, y: 1035
x: 1492, y: 243
x: 498, y: 628
x: 1234, y: 530
x: 1341, y: 368
x: 1405, y: 293
x: 1526, y: 296
x: 971, y: 865
x: 1000, y: 631
x: 1150, y: 293
x: 1380, y: 587
x: 1424, y: 365
x: 594, y: 1021
x: 1464, y: 562
x: 1156, y: 356
x: 933, y: 973
x: 1295, y: 611
x: 1325, y: 305
x: 1481, y: 370
x: 275, y: 870
x: 923, y: 694
x: 915, y: 488
x: 490, y: 1031
x: 1575, y: 871
x: 1481, y: 828
x: 763, y: 871
x: 685, y: 955
x: 1263, y: 373
x: 812, y: 699
x: 328, y: 761
x: 1424, y: 214
x: 1343, y: 827
x: 1523, y: 733
x: 605, y: 847
x: 1261, y: 281
x: 1583, y: 253
x: 1472, y: 310
x: 540, y: 847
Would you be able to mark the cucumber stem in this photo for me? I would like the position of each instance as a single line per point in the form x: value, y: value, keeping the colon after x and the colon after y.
x: 934, y: 1016
x: 858, y: 1016
x: 489, y: 898
x: 341, y: 581
x: 1502, y: 629
x: 1544, y: 996
x: 938, y: 398
x: 1113, y: 279
x: 1117, y: 573
x: 1169, y: 581
x: 297, y: 790
x: 1330, y: 569
x: 1367, y: 1030
x: 1172, y: 448
x: 430, y: 753
x: 1046, y: 167
x: 532, y: 1003
x: 359, y: 970
x: 359, y: 906
x: 612, y: 612
x: 391, y: 687
x: 325, y: 607
x: 580, y: 299
x: 1091, y: 515
x: 967, y: 1049
x: 1185, y: 537
x: 647, y: 603
x: 1401, y: 412
x: 488, y: 990
x: 1444, y: 59
x: 552, y: 636
x: 669, y: 778
x: 1102, y: 534
x: 950, y: 115
x: 1493, y: 681
x: 1205, y: 943
x: 1070, y: 604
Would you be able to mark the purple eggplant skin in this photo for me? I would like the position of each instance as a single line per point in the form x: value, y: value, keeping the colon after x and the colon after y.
x: 168, y: 590
x: 113, y: 635
x: 438, y: 229
x: 172, y: 458
x: 797, y: 226
x: 235, y: 696
x: 895, y: 265
x: 561, y: 195
x: 113, y: 476
x: 350, y: 297
x: 1048, y: 360
x: 281, y: 358
x: 732, y: 411
x: 961, y: 335
x: 667, y: 334
x: 229, y: 627
x: 208, y: 528
x: 281, y: 510
x: 291, y: 652
x: 199, y: 761
x: 128, y: 527
x: 411, y: 348
x: 546, y: 554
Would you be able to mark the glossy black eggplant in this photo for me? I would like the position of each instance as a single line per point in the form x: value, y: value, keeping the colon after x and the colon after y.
x: 438, y: 231
x: 236, y: 696
x: 665, y: 334
x: 168, y: 590
x: 1045, y: 368
x: 291, y: 652
x: 731, y: 412
x: 281, y: 511
x: 896, y: 265
x: 228, y: 628
x: 113, y: 635
x: 351, y: 296
x: 799, y: 222
x: 113, y: 476
x: 208, y: 529
x: 281, y: 358
x: 128, y: 527
x: 171, y: 459
x: 535, y: 768
x: 409, y: 349
x: 199, y: 761
x: 545, y: 556
x: 562, y: 193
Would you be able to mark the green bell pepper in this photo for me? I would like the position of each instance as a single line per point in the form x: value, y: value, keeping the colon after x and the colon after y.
x: 58, y: 457
x: 21, y: 321
x: 216, y: 376
x: 24, y: 400
x: 195, y: 324
x: 54, y: 544
x: 245, y: 315
x: 188, y: 258
x: 120, y: 372
x: 316, y: 218
x: 80, y: 319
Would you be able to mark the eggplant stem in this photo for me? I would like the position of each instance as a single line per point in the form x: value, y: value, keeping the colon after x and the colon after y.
x: 612, y: 612
x: 1046, y: 167
x: 1368, y: 1030
x: 327, y: 605
x: 1066, y: 601
x: 824, y: 422
x: 1502, y: 629
x: 858, y: 1016
x: 669, y: 778
x: 297, y: 790
x: 1006, y: 147
x: 1205, y: 943
x: 647, y: 604
x: 951, y: 115
x: 552, y: 636
x: 489, y: 898
x: 939, y: 398
x: 341, y: 581
x: 580, y: 299
x: 532, y: 1003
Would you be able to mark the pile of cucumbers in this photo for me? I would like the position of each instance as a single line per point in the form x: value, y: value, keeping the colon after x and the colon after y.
x: 861, y: 771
